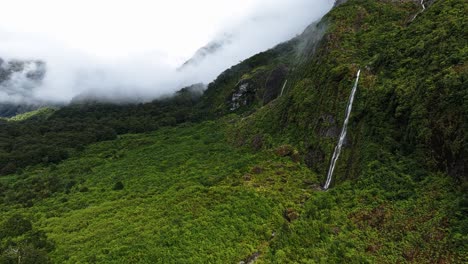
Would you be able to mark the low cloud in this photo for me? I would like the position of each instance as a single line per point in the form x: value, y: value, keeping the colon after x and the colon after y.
x: 71, y: 73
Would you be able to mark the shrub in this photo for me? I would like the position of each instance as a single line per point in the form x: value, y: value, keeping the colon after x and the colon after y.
x: 118, y: 186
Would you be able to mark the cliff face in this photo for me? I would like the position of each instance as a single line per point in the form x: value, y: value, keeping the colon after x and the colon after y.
x: 409, y: 101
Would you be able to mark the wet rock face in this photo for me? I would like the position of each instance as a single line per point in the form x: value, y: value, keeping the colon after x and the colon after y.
x: 327, y: 127
x: 274, y: 84
x: 284, y: 150
x: 314, y: 158
x: 290, y: 214
x: 257, y: 142
x: 243, y: 95
x: 251, y: 259
x: 457, y: 168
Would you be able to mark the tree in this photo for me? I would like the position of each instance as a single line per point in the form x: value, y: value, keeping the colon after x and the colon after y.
x: 15, y: 226
x: 118, y: 186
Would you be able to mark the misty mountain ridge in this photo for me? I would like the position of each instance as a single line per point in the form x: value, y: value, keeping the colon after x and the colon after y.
x: 209, y: 49
x: 73, y: 76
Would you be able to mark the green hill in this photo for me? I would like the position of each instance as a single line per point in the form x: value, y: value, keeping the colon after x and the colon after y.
x: 39, y: 114
x: 234, y: 174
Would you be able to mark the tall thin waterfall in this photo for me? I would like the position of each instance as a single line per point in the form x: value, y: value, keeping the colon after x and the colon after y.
x: 284, y: 86
x: 420, y: 11
x: 336, y: 153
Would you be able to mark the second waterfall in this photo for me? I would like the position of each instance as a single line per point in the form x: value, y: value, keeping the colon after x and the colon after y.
x: 336, y: 153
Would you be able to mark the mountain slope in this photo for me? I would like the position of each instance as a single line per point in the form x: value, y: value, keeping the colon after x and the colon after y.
x: 153, y: 197
x: 246, y: 185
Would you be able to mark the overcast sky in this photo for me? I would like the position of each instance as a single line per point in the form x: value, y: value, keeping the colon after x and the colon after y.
x: 112, y: 36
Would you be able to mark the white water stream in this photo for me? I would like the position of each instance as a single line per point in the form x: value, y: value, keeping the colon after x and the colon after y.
x: 423, y: 9
x: 284, y: 85
x: 336, y: 153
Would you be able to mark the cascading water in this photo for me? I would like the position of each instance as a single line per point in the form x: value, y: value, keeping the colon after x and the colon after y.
x: 282, y: 89
x: 337, y: 151
x: 420, y: 11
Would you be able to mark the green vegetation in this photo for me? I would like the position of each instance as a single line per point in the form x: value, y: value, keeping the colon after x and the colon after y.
x: 188, y: 197
x: 201, y: 182
x: 39, y: 114
x: 48, y: 137
x: 21, y: 243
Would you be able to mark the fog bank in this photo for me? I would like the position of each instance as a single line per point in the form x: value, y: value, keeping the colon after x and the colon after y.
x: 137, y: 72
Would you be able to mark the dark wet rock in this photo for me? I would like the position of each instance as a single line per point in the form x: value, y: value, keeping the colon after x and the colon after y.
x: 274, y: 84
x: 316, y: 187
x: 312, y: 185
x: 257, y: 142
x: 284, y: 150
x: 290, y: 214
x: 308, y: 182
x: 330, y: 132
x: 314, y: 158
x: 295, y: 156
x: 372, y: 248
x: 327, y: 118
x: 327, y: 126
x: 243, y: 95
x: 257, y: 170
x: 288, y: 150
x: 251, y: 259
x: 247, y: 177
x: 336, y: 230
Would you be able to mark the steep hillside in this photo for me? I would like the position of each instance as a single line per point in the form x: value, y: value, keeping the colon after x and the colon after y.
x: 410, y: 96
x: 235, y: 174
x: 177, y: 195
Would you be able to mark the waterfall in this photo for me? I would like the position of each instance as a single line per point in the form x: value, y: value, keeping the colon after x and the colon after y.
x: 337, y: 151
x: 284, y: 85
x: 420, y: 11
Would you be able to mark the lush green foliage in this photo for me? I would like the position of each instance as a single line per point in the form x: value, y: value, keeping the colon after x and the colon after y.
x: 20, y: 243
x: 45, y: 136
x: 39, y: 114
x: 188, y: 197
x: 247, y: 186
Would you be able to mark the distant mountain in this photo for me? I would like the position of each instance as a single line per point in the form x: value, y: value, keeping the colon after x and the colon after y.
x: 211, y: 48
